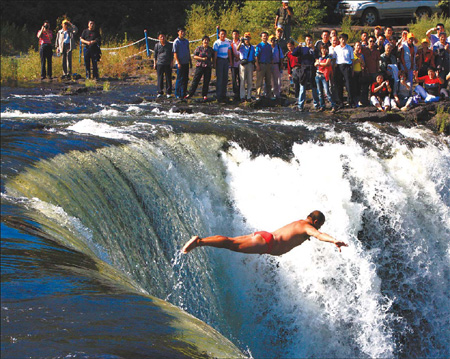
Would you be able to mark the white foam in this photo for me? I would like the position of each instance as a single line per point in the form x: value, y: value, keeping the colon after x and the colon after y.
x: 317, y: 302
x: 91, y: 127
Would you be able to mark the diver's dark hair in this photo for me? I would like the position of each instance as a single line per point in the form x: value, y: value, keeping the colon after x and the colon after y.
x: 317, y: 215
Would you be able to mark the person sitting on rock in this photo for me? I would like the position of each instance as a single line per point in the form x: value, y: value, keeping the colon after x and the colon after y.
x: 381, y: 94
x: 431, y: 86
x: 403, y: 92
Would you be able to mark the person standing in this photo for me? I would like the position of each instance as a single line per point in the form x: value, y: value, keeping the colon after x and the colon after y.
x: 306, y: 73
x: 441, y: 50
x: 163, y: 64
x: 358, y: 67
x: 292, y: 64
x: 277, y: 63
x: 408, y: 57
x: 223, y: 60
x: 45, y: 36
x: 283, y: 19
x: 204, y: 55
x: 183, y: 61
x: 235, y: 68
x: 246, y: 67
x: 64, y: 44
x: 372, y: 68
x: 325, y: 40
x: 435, y: 38
x: 344, y: 62
x: 425, y: 58
x: 389, y: 66
x: 263, y: 55
x: 90, y: 37
x: 324, y: 70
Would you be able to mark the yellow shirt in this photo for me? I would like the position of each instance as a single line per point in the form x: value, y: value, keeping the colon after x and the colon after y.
x: 357, y: 65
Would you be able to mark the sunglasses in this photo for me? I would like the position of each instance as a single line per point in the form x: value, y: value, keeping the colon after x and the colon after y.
x: 371, y: 41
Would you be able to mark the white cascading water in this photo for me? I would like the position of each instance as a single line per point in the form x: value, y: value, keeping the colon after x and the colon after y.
x: 315, y: 301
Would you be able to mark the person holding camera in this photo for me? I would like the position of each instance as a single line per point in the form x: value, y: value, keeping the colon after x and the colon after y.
x: 91, y: 39
x: 64, y: 44
x: 246, y: 67
x: 381, y: 94
x: 45, y: 36
x: 204, y: 54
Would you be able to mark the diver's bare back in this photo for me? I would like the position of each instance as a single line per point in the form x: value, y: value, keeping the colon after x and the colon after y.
x: 290, y: 236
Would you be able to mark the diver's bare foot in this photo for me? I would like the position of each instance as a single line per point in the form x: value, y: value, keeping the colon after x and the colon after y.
x: 190, y: 245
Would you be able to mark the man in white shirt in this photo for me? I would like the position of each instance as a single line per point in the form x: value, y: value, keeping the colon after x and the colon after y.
x: 223, y: 60
x: 344, y: 60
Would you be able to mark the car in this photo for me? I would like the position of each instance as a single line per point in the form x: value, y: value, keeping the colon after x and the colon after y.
x: 370, y: 12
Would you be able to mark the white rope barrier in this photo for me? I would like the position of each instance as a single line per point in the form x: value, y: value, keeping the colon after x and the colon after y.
x: 152, y: 38
x: 140, y: 52
x: 121, y: 47
x: 138, y: 41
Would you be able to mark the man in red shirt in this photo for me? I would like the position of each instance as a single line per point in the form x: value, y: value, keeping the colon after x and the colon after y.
x: 45, y: 37
x: 431, y: 86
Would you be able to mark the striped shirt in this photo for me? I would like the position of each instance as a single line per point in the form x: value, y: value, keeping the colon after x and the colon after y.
x: 222, y: 47
x: 46, y: 37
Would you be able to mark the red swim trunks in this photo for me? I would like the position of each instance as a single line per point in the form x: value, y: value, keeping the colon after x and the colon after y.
x: 268, y: 237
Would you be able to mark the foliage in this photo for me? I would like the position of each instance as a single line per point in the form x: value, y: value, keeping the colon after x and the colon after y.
x: 348, y: 28
x: 113, y: 64
x: 201, y: 20
x: 253, y: 16
x: 420, y: 27
x: 15, y: 39
x: 442, y: 118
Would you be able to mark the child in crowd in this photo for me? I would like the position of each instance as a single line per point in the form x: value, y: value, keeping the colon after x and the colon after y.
x: 381, y: 95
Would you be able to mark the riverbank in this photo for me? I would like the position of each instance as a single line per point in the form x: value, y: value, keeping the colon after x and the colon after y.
x: 434, y: 116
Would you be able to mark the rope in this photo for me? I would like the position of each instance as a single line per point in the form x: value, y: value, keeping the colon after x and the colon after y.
x: 121, y: 47
x: 145, y: 50
x: 152, y: 38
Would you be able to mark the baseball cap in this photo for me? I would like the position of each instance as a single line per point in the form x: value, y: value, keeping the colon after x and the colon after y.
x: 410, y: 35
x: 272, y: 37
x: 425, y: 40
x: 286, y: 1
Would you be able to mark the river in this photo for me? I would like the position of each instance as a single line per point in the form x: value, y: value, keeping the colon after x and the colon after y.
x: 100, y: 191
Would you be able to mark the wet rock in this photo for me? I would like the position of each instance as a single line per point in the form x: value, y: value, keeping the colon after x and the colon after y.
x: 377, y: 116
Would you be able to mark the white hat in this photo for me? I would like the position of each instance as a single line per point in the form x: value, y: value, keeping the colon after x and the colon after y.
x: 285, y: 1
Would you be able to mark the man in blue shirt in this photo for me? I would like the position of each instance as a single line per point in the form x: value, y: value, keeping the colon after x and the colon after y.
x: 277, y: 63
x: 306, y: 73
x: 182, y: 57
x: 263, y: 57
x: 223, y: 60
x: 246, y: 67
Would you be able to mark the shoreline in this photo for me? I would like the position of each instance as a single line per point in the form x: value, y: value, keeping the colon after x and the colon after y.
x: 435, y: 116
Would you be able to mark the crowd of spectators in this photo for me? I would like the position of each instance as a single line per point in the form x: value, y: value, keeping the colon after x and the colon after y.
x: 379, y: 69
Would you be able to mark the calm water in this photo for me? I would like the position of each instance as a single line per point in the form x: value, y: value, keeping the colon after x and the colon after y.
x: 99, y: 193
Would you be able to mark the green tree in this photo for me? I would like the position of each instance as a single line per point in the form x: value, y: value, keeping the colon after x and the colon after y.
x: 260, y: 15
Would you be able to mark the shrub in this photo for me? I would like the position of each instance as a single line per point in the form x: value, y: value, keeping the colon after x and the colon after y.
x: 420, y: 27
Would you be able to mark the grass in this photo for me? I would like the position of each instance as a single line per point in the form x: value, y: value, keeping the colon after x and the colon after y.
x: 117, y: 64
x: 442, y: 118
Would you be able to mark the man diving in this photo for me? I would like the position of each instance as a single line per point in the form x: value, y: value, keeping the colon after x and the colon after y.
x: 277, y: 243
